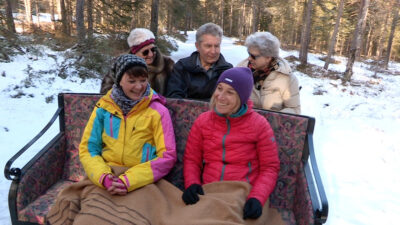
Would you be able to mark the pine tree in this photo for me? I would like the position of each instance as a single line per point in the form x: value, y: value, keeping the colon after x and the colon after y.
x: 154, y: 17
x: 80, y: 21
x: 355, y: 44
x: 9, y: 17
x: 334, y: 35
x: 391, y: 36
x: 306, y: 35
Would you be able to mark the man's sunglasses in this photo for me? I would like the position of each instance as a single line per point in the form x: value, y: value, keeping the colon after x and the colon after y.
x: 147, y: 51
x: 253, y: 56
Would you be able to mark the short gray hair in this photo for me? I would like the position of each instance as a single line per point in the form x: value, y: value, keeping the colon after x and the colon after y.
x: 208, y: 28
x: 265, y: 42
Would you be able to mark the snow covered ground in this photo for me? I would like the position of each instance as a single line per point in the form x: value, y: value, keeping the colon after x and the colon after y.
x: 355, y: 140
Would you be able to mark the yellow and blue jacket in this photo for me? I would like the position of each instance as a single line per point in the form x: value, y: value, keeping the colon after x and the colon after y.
x: 143, y: 140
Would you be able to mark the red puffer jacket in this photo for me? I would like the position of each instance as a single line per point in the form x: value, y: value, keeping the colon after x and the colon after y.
x: 240, y: 148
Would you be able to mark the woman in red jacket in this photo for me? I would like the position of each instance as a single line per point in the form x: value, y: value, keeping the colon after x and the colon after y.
x: 231, y: 142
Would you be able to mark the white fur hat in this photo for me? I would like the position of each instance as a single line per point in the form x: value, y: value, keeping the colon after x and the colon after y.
x: 139, y: 36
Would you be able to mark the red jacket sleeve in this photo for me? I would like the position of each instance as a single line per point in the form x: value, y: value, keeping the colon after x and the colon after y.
x: 268, y: 162
x: 193, y: 156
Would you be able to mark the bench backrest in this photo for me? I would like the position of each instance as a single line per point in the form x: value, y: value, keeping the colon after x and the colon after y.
x: 290, y: 132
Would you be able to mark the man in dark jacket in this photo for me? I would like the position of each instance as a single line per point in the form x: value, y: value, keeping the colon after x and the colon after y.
x: 195, y: 76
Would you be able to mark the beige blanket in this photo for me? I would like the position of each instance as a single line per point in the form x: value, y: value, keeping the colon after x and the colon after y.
x: 159, y: 203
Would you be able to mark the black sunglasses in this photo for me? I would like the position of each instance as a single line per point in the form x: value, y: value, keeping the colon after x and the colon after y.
x: 253, y: 56
x: 147, y: 51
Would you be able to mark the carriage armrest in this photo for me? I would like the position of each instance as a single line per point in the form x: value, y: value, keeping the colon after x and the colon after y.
x: 38, y: 174
x: 316, y: 188
x: 15, y: 173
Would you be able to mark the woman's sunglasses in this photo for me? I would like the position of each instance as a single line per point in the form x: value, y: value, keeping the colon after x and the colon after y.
x: 147, y: 51
x: 253, y: 56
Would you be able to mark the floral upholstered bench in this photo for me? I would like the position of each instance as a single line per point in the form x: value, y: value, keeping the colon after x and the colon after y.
x: 299, y: 195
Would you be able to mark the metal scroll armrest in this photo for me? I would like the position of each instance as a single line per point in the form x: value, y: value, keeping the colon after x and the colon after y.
x: 15, y: 173
x: 314, y: 182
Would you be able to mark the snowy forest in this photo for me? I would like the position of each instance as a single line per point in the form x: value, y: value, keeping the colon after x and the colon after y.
x: 345, y: 53
x: 97, y: 29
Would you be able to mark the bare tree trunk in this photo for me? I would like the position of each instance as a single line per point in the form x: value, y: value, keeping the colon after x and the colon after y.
x: 28, y: 12
x: 64, y: 20
x: 355, y: 44
x: 366, y: 46
x: 239, y: 24
x: 169, y: 17
x: 58, y: 2
x: 381, y: 37
x: 187, y: 17
x: 205, y: 11
x: 191, y: 18
x: 359, y: 51
x: 292, y: 30
x: 69, y: 15
x: 342, y: 44
x: 9, y: 17
x: 297, y: 29
x: 154, y: 17
x: 391, y: 36
x: 37, y: 13
x: 137, y: 22
x: 186, y: 21
x: 370, y: 46
x: 89, y: 12
x: 80, y: 20
x: 133, y: 20
x: 52, y: 14
x: 256, y: 6
x: 305, y: 35
x: 334, y: 35
x: 231, y: 19
x: 221, y: 14
x: 242, y: 24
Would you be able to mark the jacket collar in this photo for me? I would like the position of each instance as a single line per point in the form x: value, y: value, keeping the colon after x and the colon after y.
x: 282, y: 65
x: 243, y: 110
x: 107, y: 103
x: 190, y: 64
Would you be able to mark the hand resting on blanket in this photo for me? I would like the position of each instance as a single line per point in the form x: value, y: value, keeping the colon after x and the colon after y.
x: 190, y: 195
x: 252, y: 209
x: 114, y: 185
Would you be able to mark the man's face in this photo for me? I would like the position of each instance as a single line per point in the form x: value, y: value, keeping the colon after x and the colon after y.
x: 209, y: 48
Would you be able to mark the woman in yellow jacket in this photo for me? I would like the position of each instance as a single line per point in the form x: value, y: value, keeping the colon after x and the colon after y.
x: 275, y: 87
x: 129, y: 127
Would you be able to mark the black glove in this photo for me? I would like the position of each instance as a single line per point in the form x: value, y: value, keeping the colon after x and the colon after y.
x: 252, y: 209
x: 190, y: 195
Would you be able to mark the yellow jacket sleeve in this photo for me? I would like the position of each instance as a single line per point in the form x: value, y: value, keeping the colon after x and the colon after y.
x: 90, y: 148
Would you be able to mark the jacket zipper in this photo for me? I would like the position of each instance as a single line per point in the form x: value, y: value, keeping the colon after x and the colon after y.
x: 111, y: 125
x: 224, y: 150
x: 123, y: 146
x: 248, y: 173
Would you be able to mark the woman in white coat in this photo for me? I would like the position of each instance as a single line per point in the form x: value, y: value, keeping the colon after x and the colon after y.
x: 275, y: 87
